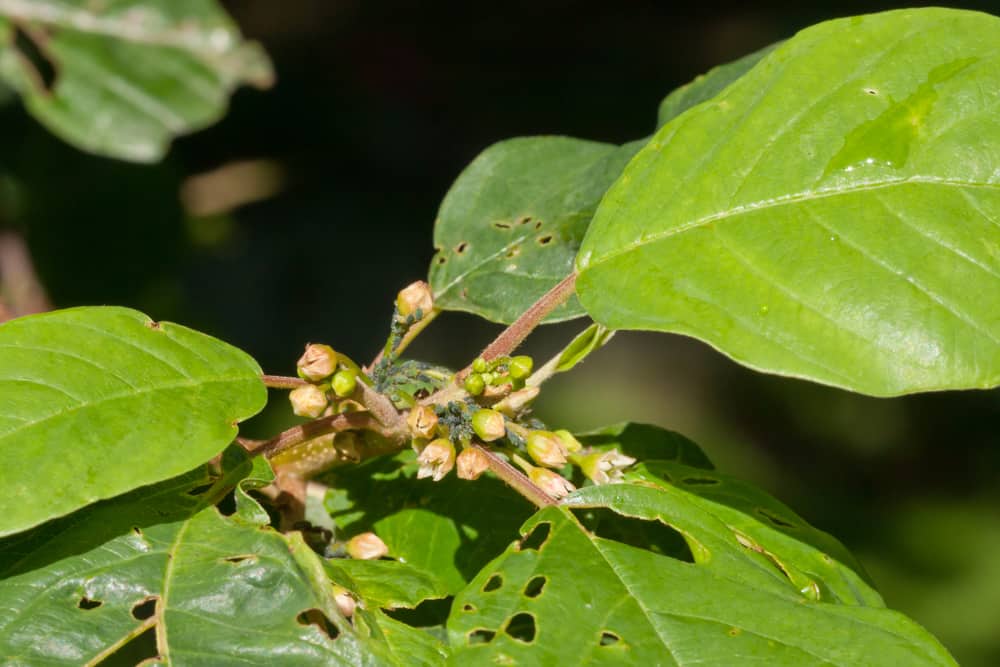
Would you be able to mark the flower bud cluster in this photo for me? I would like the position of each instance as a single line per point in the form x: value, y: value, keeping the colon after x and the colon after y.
x: 333, y: 379
x: 498, y: 377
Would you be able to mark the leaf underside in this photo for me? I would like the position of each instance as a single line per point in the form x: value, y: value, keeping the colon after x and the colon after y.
x: 842, y: 227
x: 99, y: 401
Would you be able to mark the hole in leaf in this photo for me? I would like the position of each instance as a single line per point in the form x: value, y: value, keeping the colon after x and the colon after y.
x: 538, y: 225
x: 227, y: 506
x: 462, y: 247
x: 775, y: 519
x: 468, y: 607
x: 700, y: 481
x: 87, y: 603
x: 198, y: 490
x: 652, y: 536
x: 534, y: 587
x: 239, y: 559
x: 734, y: 632
x: 609, y: 638
x: 30, y: 46
x: 137, y: 531
x: 514, y: 252
x: 871, y: 91
x: 427, y: 614
x: 493, y: 583
x: 537, y: 537
x: 144, y: 609
x: 320, y: 620
x: 442, y: 259
x: 545, y: 240
x: 465, y: 292
x: 480, y: 636
x: 521, y: 627
x: 525, y: 220
x: 502, y: 225
x: 134, y: 652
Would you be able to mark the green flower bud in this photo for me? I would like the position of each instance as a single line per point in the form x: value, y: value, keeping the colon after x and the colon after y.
x: 547, y: 449
x: 414, y: 297
x: 471, y: 463
x: 487, y: 377
x: 317, y: 362
x: 604, y: 467
x: 474, y: 384
x: 480, y: 365
x: 520, y: 367
x: 308, y: 401
x: 551, y: 483
x: 489, y: 425
x: 422, y: 421
x: 436, y: 459
x: 344, y: 383
x: 572, y: 444
x: 366, y: 546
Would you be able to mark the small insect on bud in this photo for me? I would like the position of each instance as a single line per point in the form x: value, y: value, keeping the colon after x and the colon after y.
x: 344, y: 383
x: 471, y: 463
x: 547, y: 449
x: 366, y: 546
x: 520, y: 367
x: 414, y: 297
x: 345, y: 601
x: 489, y: 425
x: 604, y: 467
x: 517, y: 401
x: 551, y: 483
x: 436, y: 459
x: 317, y: 362
x: 308, y: 401
x: 474, y: 384
x: 572, y: 444
x: 422, y: 421
x: 480, y: 365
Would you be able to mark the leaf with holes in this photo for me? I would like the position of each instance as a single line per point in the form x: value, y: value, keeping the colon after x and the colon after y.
x: 122, y: 79
x: 510, y: 226
x: 708, y: 85
x: 98, y: 401
x: 446, y: 530
x: 162, y: 561
x: 825, y: 227
x: 722, y: 595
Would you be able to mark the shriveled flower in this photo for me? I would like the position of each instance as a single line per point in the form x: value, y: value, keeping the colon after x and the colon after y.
x: 317, y: 362
x: 547, y: 449
x: 422, y: 421
x: 308, y: 400
x: 436, y: 459
x: 471, y: 463
x: 366, y: 546
x: 550, y: 482
x: 415, y: 296
x: 604, y: 467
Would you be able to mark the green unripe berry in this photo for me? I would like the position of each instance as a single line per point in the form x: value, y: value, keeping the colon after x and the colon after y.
x: 487, y: 377
x: 479, y: 365
x: 520, y: 367
x: 474, y: 384
x: 489, y: 425
x: 344, y: 383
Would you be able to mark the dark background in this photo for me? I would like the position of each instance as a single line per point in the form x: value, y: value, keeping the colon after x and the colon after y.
x: 377, y: 107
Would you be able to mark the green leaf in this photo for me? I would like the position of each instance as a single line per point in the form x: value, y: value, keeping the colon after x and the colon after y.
x: 510, y: 226
x: 447, y: 529
x: 708, y: 85
x: 728, y: 598
x: 216, y: 590
x: 647, y: 442
x: 129, y: 75
x: 825, y: 216
x: 386, y: 584
x: 98, y: 401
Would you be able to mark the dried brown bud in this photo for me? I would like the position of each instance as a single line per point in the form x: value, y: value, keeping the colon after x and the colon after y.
x: 471, y: 463
x: 414, y: 297
x: 308, y: 400
x: 436, y: 459
x: 422, y: 421
x: 366, y: 546
x: 551, y: 483
x: 345, y: 601
x: 317, y: 362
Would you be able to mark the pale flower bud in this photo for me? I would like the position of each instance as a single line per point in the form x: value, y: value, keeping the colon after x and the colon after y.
x: 366, y: 546
x: 551, y: 483
x: 604, y: 467
x: 436, y: 459
x: 317, y: 362
x: 489, y: 425
x: 471, y: 463
x: 547, y: 449
x: 308, y: 401
x: 345, y: 601
x: 422, y: 421
x: 413, y: 297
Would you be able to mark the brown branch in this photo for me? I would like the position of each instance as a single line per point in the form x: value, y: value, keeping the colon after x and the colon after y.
x: 516, y: 479
x: 350, y: 421
x: 379, y: 406
x: 282, y: 382
x: 25, y: 294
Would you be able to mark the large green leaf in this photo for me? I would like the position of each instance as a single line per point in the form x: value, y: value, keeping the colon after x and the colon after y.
x: 833, y: 215
x: 215, y: 590
x: 567, y: 595
x: 129, y: 75
x: 98, y: 401
x: 510, y: 226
